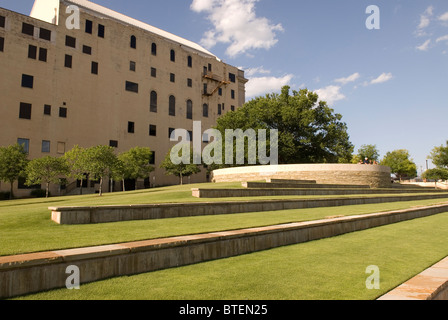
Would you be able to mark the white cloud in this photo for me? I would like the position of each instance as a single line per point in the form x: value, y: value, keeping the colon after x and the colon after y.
x: 349, y: 79
x: 236, y: 23
x: 382, y: 78
x: 250, y: 72
x: 444, y: 38
x: 330, y: 94
x: 425, y: 20
x: 444, y: 17
x: 424, y: 46
x: 258, y: 86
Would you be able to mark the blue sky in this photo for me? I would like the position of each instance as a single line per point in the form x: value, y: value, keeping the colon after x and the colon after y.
x: 390, y: 85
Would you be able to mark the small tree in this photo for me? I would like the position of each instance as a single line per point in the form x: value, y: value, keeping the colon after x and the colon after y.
x: 182, y: 169
x: 436, y: 174
x: 368, y: 151
x: 77, y: 163
x: 439, y: 156
x: 46, y: 170
x: 135, y: 163
x: 13, y: 163
x: 400, y: 164
x: 101, y: 162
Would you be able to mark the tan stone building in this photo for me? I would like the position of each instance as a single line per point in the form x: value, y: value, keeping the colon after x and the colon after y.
x: 104, y: 79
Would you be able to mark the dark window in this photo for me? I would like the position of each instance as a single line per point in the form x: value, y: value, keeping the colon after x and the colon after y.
x: 2, y: 21
x: 233, y: 94
x: 209, y: 67
x: 189, y: 83
x: 94, y: 68
x: 32, y: 52
x: 86, y: 49
x: 173, y: 55
x: 68, y: 61
x: 131, y: 127
x: 27, y: 81
x: 2, y: 44
x: 190, y: 61
x: 205, y: 110
x: 25, y: 143
x: 232, y: 108
x: 25, y: 111
x: 154, y: 49
x: 43, y: 54
x: 101, y: 31
x: 232, y: 77
x: 153, y: 102
x: 62, y: 112
x: 133, y: 42
x: 132, y: 66
x: 219, y: 109
x: 89, y: 26
x: 27, y: 29
x: 131, y: 86
x: 190, y: 136
x: 21, y: 184
x: 45, y: 34
x: 170, y: 132
x: 45, y: 146
x: 47, y: 110
x: 152, y: 160
x: 152, y: 130
x: 220, y: 91
x: 172, y: 77
x: 172, y: 106
x: 189, y: 109
x: 205, y: 88
x: 113, y: 143
x: 153, y: 72
x: 70, y: 42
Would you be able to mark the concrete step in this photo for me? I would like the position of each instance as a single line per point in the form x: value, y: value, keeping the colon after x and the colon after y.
x: 286, y: 181
x: 282, y: 185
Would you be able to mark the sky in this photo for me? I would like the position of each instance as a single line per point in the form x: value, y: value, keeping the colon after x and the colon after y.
x: 385, y: 71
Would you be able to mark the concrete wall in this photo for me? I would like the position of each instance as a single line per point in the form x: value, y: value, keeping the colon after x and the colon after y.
x: 371, y: 175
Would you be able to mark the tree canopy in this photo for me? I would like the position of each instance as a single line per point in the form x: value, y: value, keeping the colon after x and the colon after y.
x: 368, y: 151
x: 13, y: 163
x: 134, y: 164
x: 181, y: 169
x: 46, y: 170
x: 439, y: 156
x: 400, y: 163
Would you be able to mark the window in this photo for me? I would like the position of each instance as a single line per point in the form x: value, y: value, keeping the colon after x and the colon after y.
x: 113, y: 143
x: 94, y: 67
x: 45, y: 34
x: 133, y: 42
x: 152, y: 130
x: 205, y: 137
x: 2, y: 21
x: 205, y: 88
x: 68, y: 61
x: 189, y: 109
x: 190, y: 136
x: 2, y: 44
x: 233, y: 94
x: 219, y: 109
x: 70, y: 42
x: 232, y: 77
x: 152, y: 160
x: 154, y: 49
x: 172, y: 77
x: 232, y: 108
x: 131, y: 86
x: 25, y: 143
x: 45, y: 146
x: 189, y: 83
x: 170, y: 132
x: 32, y: 52
x: 27, y: 29
x: 132, y: 66
x: 47, y: 110
x: 131, y: 127
x: 190, y: 61
x: 87, y: 50
x: 154, y: 72
x: 173, y: 56
x: 209, y: 67
x: 27, y: 81
x: 153, y: 102
x: 220, y: 91
x: 101, y: 31
x: 63, y: 112
x: 43, y: 54
x: 89, y: 26
x: 205, y: 110
x: 172, y: 106
x: 61, y: 148
x: 25, y: 111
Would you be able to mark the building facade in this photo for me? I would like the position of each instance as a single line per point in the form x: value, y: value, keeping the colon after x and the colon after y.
x: 76, y: 73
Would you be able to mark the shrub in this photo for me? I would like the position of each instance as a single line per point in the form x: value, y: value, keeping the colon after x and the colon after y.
x: 38, y: 193
x: 4, y: 196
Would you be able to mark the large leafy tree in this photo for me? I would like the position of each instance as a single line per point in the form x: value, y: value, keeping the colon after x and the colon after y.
x: 13, y: 163
x: 368, y: 151
x: 309, y: 131
x: 400, y: 163
x: 134, y: 164
x: 439, y: 156
x: 77, y: 163
x: 182, y: 169
x: 101, y: 162
x: 46, y: 170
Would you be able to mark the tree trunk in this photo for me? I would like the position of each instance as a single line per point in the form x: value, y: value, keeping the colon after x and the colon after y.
x: 80, y: 191
x: 181, y: 180
x: 46, y: 189
x: 101, y: 186
x: 11, y: 196
x: 124, y: 186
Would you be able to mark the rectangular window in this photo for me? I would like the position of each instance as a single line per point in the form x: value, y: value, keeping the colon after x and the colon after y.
x: 70, y: 42
x: 47, y: 110
x: 132, y: 66
x: 189, y: 83
x: 170, y: 132
x: 154, y: 72
x: 43, y: 54
x: 27, y: 81
x: 45, y: 34
x: 131, y: 86
x: 89, y: 26
x: 61, y: 148
x: 68, y: 61
x: 232, y: 108
x: 32, y: 52
x: 152, y: 130
x: 172, y: 77
x: 232, y: 77
x: 62, y: 112
x: 131, y: 127
x: 86, y: 50
x: 45, y: 146
x: 152, y: 160
x: 101, y: 31
x: 220, y: 91
x: 2, y: 44
x: 190, y: 136
x: 232, y: 94
x: 2, y: 21
x: 113, y: 143
x: 219, y: 109
x: 25, y: 143
x: 25, y: 111
x: 94, y: 68
x: 27, y: 29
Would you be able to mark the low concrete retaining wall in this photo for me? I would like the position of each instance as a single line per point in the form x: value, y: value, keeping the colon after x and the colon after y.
x: 25, y: 274
x: 291, y: 185
x: 105, y: 214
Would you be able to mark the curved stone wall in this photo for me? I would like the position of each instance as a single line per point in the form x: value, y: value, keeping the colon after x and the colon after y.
x: 374, y: 176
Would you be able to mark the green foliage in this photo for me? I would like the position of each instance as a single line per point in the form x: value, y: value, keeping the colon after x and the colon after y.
x: 39, y: 193
x: 182, y: 169
x: 309, y: 131
x: 436, y: 174
x: 101, y: 162
x: 46, y: 170
x: 13, y: 163
x: 368, y: 151
x: 439, y: 156
x: 400, y: 164
x: 77, y: 162
x: 134, y: 164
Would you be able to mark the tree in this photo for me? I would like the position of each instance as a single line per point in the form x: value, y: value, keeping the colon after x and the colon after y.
x: 439, y: 156
x: 309, y: 131
x: 13, y: 163
x: 368, y: 151
x: 436, y: 174
x: 46, y: 170
x: 182, y: 169
x: 400, y: 163
x: 134, y: 164
x: 77, y: 164
x: 101, y: 162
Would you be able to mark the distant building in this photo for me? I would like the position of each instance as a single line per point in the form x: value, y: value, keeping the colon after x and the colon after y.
x: 114, y: 81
